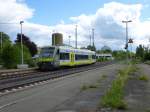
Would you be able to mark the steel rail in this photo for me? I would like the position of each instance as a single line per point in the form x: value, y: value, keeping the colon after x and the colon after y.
x: 14, y: 82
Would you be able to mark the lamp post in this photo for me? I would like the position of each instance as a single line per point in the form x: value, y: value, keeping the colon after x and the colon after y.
x: 126, y: 46
x: 22, y: 60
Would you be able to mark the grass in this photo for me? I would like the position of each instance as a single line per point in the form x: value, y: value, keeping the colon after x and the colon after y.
x: 147, y: 110
x: 86, y: 87
x: 104, y: 76
x: 144, y: 78
x: 114, y: 97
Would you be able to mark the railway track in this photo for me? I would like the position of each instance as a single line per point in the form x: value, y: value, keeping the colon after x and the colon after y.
x: 17, y: 79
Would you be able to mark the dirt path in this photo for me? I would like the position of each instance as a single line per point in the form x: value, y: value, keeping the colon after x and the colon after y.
x: 138, y: 91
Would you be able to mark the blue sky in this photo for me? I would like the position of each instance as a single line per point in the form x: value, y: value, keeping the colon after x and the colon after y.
x: 51, y: 12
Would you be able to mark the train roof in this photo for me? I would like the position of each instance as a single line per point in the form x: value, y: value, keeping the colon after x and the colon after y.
x: 71, y: 49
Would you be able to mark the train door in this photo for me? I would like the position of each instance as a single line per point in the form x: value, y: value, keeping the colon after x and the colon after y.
x: 72, y: 58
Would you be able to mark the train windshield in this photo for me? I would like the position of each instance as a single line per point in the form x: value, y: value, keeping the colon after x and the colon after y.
x: 47, y: 51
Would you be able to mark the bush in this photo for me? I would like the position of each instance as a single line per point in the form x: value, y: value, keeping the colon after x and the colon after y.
x: 11, y: 56
x: 144, y: 78
x: 102, y: 59
x: 26, y: 54
x: 8, y: 56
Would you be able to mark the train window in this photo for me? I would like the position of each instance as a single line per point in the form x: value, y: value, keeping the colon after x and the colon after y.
x: 81, y: 57
x: 93, y: 57
x: 57, y: 51
x: 64, y: 56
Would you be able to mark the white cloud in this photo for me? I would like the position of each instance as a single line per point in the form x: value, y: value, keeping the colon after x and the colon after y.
x: 14, y: 11
x: 109, y: 30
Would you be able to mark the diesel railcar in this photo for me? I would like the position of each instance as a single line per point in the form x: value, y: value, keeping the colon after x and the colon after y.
x: 57, y: 56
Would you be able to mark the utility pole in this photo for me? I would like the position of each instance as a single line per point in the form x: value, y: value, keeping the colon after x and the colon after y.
x: 76, y: 36
x: 93, y: 38
x: 90, y: 39
x: 126, y: 46
x: 69, y: 39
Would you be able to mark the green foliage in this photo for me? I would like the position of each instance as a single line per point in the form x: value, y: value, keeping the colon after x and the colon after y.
x: 144, y: 78
x: 147, y: 110
x: 9, y: 56
x: 1, y: 61
x: 114, y: 96
x: 103, y: 76
x: 102, y: 59
x: 5, y: 40
x: 28, y: 43
x: 26, y: 54
x: 142, y: 53
x: 92, y: 48
x: 119, y: 55
x: 5, y: 43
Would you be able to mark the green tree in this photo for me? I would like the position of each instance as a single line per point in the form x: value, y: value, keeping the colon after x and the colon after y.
x: 146, y: 54
x: 92, y: 48
x: 140, y: 52
x: 4, y: 41
x: 26, y: 54
x: 119, y: 55
x: 28, y: 43
x: 11, y: 55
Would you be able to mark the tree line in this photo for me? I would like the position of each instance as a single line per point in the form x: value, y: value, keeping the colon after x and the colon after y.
x: 142, y: 53
x: 10, y: 52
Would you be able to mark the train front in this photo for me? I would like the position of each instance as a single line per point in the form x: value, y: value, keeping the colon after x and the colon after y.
x: 45, y: 61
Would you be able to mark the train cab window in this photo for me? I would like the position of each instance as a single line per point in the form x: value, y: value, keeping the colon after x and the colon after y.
x: 47, y: 51
x: 64, y: 56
